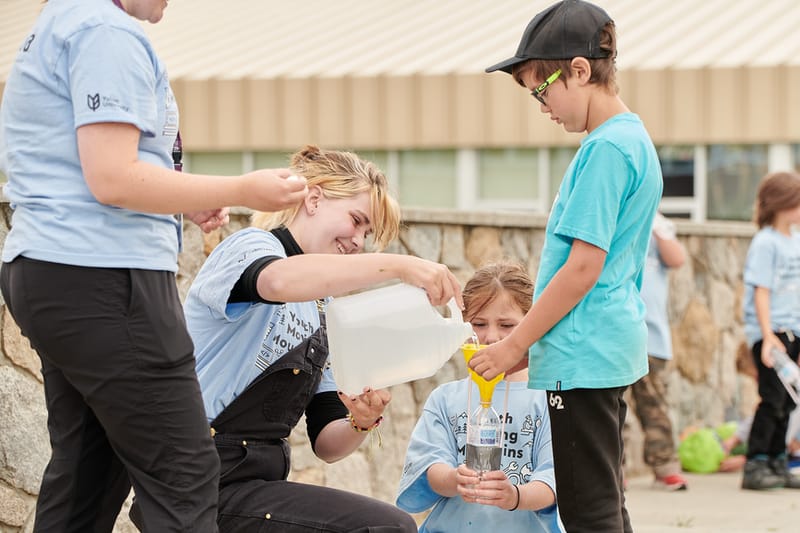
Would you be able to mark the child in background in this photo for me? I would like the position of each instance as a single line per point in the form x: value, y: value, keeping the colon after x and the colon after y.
x: 650, y: 392
x: 586, y: 329
x: 772, y: 321
x: 496, y: 298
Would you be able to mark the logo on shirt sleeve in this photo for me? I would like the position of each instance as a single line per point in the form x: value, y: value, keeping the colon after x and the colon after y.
x: 93, y: 101
x: 28, y: 42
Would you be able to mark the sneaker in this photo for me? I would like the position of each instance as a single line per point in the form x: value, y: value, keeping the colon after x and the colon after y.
x: 780, y: 467
x: 671, y: 482
x: 758, y: 475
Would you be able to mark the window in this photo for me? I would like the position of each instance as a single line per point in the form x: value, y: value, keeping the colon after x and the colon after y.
x: 271, y: 159
x: 560, y: 158
x: 733, y: 175
x: 428, y: 178
x: 508, y: 175
x: 796, y: 156
x: 379, y: 158
x: 216, y: 163
x: 677, y: 168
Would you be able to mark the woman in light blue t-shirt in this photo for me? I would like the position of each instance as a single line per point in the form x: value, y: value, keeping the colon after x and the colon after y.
x: 88, y: 131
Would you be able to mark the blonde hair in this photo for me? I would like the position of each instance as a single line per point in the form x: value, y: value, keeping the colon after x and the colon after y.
x: 777, y: 192
x: 491, y: 280
x: 604, y: 70
x: 341, y: 175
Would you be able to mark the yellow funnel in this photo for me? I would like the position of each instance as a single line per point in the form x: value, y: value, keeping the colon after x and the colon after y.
x: 486, y: 388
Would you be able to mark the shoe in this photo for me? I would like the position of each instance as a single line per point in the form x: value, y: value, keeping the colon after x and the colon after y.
x: 758, y: 475
x: 780, y: 467
x: 672, y: 483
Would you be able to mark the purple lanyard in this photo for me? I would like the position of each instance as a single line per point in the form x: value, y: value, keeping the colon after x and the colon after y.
x: 118, y: 3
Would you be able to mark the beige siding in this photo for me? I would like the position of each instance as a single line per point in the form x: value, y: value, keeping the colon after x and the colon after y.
x: 272, y: 75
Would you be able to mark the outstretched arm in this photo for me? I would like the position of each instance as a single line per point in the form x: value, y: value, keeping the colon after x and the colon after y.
x: 568, y: 287
x: 116, y: 176
x: 309, y: 276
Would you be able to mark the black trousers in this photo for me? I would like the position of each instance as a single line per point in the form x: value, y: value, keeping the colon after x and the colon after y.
x: 586, y: 427
x: 124, y: 405
x: 287, y: 507
x: 771, y: 420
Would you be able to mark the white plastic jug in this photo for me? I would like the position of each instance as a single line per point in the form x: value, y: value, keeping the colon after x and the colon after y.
x: 390, y: 335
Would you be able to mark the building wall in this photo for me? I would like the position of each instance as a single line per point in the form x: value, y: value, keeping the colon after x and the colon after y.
x: 679, y: 106
x: 705, y: 387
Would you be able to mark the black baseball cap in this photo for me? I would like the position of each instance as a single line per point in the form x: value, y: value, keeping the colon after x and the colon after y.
x: 568, y: 29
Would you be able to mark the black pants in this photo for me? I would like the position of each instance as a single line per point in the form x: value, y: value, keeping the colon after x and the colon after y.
x: 771, y: 420
x: 122, y: 396
x: 586, y: 427
x: 287, y: 507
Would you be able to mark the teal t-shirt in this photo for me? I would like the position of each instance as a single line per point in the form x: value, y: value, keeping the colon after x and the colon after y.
x: 608, y: 198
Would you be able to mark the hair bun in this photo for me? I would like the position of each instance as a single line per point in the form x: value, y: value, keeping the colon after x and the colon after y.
x: 309, y: 152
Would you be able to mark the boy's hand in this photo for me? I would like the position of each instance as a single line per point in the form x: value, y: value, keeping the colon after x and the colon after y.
x: 496, y: 358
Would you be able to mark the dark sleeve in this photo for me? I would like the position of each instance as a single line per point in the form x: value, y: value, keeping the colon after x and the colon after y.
x: 246, y: 287
x: 324, y: 408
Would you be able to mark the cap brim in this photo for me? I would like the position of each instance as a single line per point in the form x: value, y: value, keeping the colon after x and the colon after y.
x: 507, y: 65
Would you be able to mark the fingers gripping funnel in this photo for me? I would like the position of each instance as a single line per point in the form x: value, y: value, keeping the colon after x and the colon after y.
x: 486, y: 388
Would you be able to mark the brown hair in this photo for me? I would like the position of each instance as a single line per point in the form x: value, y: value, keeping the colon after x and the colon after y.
x: 341, y: 175
x: 777, y: 192
x: 491, y: 280
x: 604, y: 70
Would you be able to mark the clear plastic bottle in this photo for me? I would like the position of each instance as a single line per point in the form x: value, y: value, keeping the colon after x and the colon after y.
x: 788, y: 372
x: 484, y: 439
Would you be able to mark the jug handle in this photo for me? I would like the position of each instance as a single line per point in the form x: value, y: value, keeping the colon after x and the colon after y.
x: 455, y: 312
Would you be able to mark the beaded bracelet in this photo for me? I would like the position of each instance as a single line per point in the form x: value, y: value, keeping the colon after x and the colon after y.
x: 359, y: 429
x: 517, y: 505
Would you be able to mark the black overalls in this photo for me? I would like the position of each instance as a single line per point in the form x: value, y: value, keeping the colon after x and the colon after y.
x: 251, y: 437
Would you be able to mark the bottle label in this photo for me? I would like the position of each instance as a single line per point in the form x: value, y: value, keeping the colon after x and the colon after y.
x: 487, y: 436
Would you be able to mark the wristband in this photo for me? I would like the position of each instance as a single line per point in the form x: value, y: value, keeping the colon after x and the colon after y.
x: 359, y: 429
x: 517, y: 505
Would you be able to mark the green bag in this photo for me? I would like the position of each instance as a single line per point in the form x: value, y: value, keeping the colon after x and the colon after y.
x: 701, y: 452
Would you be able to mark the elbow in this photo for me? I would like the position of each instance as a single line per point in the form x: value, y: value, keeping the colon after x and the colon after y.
x: 586, y: 278
x: 105, y: 188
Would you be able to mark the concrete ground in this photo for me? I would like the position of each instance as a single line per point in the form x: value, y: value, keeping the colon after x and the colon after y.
x: 714, y: 503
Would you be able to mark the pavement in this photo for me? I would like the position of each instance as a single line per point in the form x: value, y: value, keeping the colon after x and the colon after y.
x: 714, y: 503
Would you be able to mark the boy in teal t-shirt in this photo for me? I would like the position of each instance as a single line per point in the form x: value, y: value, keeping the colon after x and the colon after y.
x: 585, y: 333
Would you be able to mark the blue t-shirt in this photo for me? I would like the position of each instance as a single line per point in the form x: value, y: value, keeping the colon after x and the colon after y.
x: 84, y: 62
x: 235, y: 342
x: 440, y: 436
x: 655, y: 291
x: 608, y: 198
x: 773, y: 262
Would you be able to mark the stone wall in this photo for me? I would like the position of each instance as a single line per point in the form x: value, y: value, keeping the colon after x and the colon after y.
x: 705, y: 386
